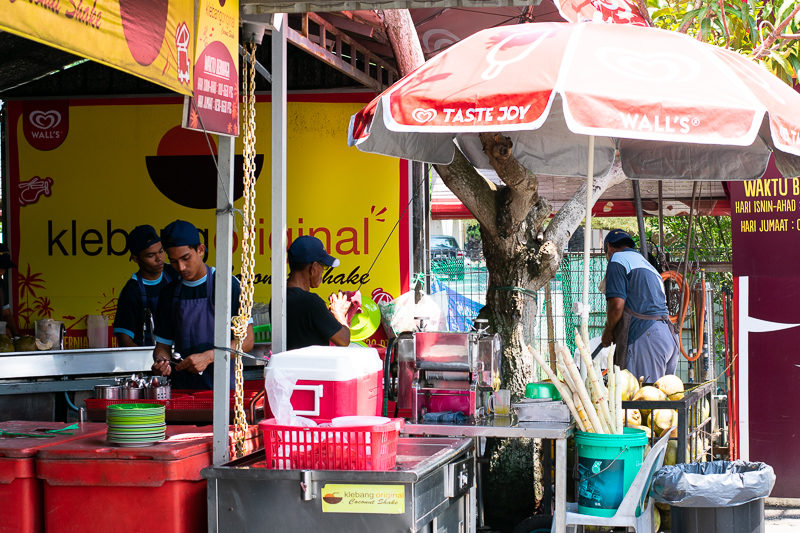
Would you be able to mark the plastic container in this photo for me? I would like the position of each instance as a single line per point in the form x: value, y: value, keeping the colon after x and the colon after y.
x: 542, y: 390
x: 332, y: 381
x: 262, y: 334
x: 331, y: 448
x: 607, y: 465
x: 20, y: 490
x: 90, y: 485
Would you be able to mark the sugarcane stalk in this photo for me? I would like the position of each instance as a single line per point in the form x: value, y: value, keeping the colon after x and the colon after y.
x: 597, y: 399
x: 588, y: 406
x: 618, y: 397
x: 565, y: 393
x: 612, y: 406
x: 587, y: 360
x: 572, y: 392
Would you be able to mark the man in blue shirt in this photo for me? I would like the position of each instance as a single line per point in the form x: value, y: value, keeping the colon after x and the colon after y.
x: 185, y: 316
x: 138, y: 300
x: 636, y: 312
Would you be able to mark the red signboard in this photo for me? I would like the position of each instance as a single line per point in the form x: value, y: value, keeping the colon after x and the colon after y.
x: 765, y: 215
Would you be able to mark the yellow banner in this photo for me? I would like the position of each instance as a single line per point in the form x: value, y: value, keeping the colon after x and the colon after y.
x: 152, y: 39
x: 370, y: 499
x: 83, y: 174
x: 215, y: 104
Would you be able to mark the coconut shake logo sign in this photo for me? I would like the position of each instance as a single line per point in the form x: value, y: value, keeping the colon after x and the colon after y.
x: 46, y: 124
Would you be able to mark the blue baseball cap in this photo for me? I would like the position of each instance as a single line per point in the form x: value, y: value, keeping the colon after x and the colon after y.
x: 617, y: 236
x: 307, y: 249
x: 141, y: 238
x: 180, y: 233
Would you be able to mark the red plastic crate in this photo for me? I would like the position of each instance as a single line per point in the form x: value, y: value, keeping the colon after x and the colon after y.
x: 331, y: 448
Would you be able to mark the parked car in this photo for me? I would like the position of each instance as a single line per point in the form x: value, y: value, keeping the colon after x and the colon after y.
x: 447, y: 257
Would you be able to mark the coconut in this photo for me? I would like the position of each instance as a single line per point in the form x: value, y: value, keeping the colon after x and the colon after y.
x: 663, y: 419
x: 656, y: 521
x: 5, y: 344
x: 25, y: 343
x: 648, y: 394
x: 633, y: 417
x: 705, y: 409
x: 645, y: 429
x: 671, y: 455
x: 671, y: 385
x: 628, y: 384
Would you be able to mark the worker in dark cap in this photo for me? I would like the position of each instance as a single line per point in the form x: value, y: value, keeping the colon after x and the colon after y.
x: 5, y: 264
x: 138, y: 300
x: 185, y: 316
x: 636, y: 312
x: 308, y: 320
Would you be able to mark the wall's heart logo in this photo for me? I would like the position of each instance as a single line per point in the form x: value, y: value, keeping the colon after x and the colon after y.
x: 423, y: 115
x: 44, y: 120
x: 45, y: 123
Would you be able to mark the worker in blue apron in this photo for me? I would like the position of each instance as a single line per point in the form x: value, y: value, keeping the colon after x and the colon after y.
x: 137, y: 303
x: 185, y: 316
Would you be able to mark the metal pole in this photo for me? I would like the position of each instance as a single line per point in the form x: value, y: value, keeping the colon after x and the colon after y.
x: 222, y: 300
x: 661, y: 215
x: 278, y: 310
x: 587, y: 242
x: 637, y: 196
x: 419, y: 210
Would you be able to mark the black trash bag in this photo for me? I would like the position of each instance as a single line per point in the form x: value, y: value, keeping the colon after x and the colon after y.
x: 713, y: 484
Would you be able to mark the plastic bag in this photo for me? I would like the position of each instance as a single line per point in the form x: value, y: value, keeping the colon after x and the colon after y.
x: 280, y: 387
x: 713, y: 484
x: 402, y: 312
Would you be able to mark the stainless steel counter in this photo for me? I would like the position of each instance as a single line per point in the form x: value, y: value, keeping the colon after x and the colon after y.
x: 509, y: 427
x: 432, y: 484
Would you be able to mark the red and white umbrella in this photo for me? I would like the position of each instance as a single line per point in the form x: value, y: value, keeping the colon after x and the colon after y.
x: 570, y: 95
x: 675, y: 107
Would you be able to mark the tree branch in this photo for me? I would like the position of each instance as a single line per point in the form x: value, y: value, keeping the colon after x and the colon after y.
x: 685, y: 26
x: 642, y: 5
x: 574, y: 210
x: 475, y: 192
x: 763, y: 50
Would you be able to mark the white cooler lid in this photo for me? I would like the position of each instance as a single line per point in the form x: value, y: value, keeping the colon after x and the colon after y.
x: 327, y: 363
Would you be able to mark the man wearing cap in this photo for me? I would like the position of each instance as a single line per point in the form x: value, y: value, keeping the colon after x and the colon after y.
x: 185, y: 315
x: 5, y: 264
x: 138, y: 300
x: 309, y: 321
x: 636, y: 316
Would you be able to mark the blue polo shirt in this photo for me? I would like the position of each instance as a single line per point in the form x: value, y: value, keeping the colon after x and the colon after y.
x: 631, y: 277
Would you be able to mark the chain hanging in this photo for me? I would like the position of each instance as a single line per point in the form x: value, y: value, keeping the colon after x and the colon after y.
x: 248, y: 235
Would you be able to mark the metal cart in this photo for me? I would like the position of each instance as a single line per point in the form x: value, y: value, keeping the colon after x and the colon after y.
x: 431, y: 490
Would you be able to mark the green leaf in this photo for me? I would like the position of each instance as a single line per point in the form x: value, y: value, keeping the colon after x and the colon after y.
x: 782, y: 61
x: 694, y: 13
x: 795, y: 62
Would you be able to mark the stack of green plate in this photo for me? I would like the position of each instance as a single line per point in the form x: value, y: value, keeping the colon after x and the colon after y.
x: 135, y: 424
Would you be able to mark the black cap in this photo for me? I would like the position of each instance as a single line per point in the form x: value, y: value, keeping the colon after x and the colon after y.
x: 180, y: 233
x: 617, y: 237
x: 5, y: 257
x: 141, y: 238
x: 306, y: 249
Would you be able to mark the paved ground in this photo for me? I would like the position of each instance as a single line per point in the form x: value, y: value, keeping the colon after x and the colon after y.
x: 782, y: 519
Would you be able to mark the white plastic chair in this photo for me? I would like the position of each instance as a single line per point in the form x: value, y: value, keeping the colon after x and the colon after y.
x: 633, y: 499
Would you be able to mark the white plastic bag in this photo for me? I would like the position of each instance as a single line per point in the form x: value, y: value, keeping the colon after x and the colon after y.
x: 401, y: 313
x: 280, y: 386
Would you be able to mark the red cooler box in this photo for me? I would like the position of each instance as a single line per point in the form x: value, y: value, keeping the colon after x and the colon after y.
x: 20, y: 491
x: 92, y: 485
x: 332, y: 380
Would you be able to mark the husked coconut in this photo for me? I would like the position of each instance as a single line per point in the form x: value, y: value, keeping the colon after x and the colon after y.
x: 671, y: 455
x: 628, y: 384
x: 656, y: 521
x: 663, y: 419
x: 633, y: 417
x: 645, y: 429
x: 6, y: 345
x: 648, y: 393
x: 26, y: 343
x: 671, y: 385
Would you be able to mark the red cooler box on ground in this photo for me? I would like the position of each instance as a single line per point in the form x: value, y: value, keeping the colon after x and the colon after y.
x: 332, y: 380
x: 92, y: 485
x: 20, y: 490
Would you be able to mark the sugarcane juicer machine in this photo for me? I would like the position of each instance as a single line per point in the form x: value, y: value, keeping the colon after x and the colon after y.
x: 441, y: 372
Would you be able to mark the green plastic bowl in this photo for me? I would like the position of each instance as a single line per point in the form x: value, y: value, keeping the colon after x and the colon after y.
x: 542, y: 390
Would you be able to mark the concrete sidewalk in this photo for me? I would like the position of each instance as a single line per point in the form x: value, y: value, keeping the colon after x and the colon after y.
x: 782, y: 516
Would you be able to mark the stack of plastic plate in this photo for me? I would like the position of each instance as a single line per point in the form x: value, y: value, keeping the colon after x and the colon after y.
x: 135, y: 424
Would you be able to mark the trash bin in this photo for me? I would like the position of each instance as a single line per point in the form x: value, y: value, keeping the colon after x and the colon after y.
x: 718, y: 496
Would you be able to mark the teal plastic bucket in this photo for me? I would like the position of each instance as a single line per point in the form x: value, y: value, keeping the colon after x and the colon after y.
x: 607, y: 465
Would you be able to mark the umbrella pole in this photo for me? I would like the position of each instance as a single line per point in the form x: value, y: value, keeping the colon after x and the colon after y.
x: 587, y: 242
